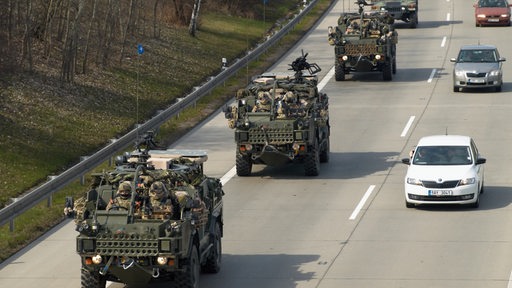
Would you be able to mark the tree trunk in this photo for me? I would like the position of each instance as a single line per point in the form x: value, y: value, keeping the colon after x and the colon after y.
x: 87, y: 38
x: 193, y: 19
x: 127, y: 28
x: 26, y: 57
x: 156, y: 27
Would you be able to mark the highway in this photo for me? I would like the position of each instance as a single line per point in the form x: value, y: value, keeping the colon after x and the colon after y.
x: 349, y: 227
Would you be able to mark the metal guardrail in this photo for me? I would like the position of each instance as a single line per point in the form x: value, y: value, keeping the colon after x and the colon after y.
x: 45, y: 191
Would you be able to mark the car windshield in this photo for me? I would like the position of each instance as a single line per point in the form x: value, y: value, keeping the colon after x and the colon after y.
x: 442, y: 155
x: 492, y: 3
x: 477, y: 55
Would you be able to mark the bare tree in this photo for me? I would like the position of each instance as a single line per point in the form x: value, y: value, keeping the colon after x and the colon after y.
x: 26, y: 57
x: 193, y: 19
x: 127, y: 27
x: 71, y: 43
x: 87, y: 38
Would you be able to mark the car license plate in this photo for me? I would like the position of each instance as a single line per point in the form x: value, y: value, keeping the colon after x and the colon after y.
x: 440, y: 192
x: 493, y: 20
x: 476, y: 80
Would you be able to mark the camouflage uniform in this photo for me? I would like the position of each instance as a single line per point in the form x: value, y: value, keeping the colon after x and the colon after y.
x: 123, y: 196
x: 160, y: 200
x: 263, y: 102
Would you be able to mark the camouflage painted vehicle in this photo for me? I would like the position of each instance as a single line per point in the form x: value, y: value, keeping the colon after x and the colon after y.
x: 364, y: 42
x: 403, y: 10
x: 139, y: 244
x: 280, y: 119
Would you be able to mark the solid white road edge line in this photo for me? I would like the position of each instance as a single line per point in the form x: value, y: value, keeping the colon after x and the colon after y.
x: 407, y: 126
x: 361, y: 203
x: 443, y: 42
x: 326, y: 79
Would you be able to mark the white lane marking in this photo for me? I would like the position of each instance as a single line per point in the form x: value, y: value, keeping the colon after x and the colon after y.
x: 407, y: 126
x: 326, y: 79
x: 448, y: 17
x: 443, y: 42
x: 509, y: 285
x: 230, y: 174
x: 431, y: 75
x: 361, y: 203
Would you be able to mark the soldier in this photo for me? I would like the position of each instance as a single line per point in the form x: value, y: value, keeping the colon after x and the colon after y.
x: 122, y: 199
x: 161, y: 200
x: 263, y: 103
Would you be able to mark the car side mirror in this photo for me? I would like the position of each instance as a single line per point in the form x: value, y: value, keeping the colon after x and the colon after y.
x: 453, y: 60
x: 480, y: 161
x: 502, y: 59
x: 406, y: 161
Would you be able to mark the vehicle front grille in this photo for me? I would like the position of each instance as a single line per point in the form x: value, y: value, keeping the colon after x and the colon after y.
x: 360, y: 49
x: 482, y: 74
x: 393, y: 9
x: 440, y: 198
x: 275, y: 136
x: 133, y: 245
x: 442, y: 185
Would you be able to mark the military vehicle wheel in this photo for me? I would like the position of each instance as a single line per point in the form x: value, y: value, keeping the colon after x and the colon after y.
x: 456, y: 89
x: 394, y: 65
x: 324, y: 155
x: 243, y: 165
x: 312, y: 162
x: 213, y: 262
x: 387, y: 72
x: 92, y: 279
x: 414, y: 21
x: 498, y: 88
x: 190, y: 277
x: 339, y: 72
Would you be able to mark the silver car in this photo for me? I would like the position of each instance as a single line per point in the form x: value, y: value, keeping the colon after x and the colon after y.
x: 478, y: 66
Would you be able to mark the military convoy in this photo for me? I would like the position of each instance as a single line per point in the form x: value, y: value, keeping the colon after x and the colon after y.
x: 140, y: 243
x: 403, y: 10
x: 281, y: 118
x: 364, y: 42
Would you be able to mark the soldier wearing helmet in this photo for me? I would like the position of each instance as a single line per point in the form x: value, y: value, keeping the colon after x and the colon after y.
x: 161, y: 201
x: 122, y: 199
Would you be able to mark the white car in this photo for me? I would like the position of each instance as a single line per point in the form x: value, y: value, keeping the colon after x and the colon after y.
x: 444, y: 169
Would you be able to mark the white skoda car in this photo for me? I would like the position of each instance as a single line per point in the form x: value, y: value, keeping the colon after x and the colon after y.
x: 444, y: 169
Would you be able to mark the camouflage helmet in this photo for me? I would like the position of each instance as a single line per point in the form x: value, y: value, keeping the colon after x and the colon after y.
x: 125, y: 189
x: 158, y: 190
x: 263, y: 97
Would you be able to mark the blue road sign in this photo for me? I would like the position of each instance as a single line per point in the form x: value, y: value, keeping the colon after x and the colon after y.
x: 140, y: 49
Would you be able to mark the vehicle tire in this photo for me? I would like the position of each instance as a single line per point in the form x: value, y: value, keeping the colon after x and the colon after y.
x: 456, y: 89
x: 243, y: 165
x: 409, y: 204
x: 324, y: 155
x: 394, y: 65
x: 213, y: 261
x: 387, y: 71
x: 312, y: 162
x: 92, y: 279
x: 498, y: 88
x: 477, y: 202
x: 339, y: 71
x: 414, y: 21
x: 190, y: 277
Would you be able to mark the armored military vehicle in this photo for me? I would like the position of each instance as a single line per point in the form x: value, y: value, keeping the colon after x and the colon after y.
x: 364, y: 42
x: 403, y: 10
x: 141, y: 243
x: 280, y: 119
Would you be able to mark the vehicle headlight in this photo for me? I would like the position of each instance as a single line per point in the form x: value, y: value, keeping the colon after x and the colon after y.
x: 414, y: 181
x: 505, y: 15
x: 377, y: 57
x: 480, y: 16
x: 495, y: 73
x: 467, y: 181
x: 97, y: 259
x: 459, y: 73
x: 161, y: 260
x: 344, y: 58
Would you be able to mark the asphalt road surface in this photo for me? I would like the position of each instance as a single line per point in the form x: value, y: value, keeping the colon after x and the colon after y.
x: 349, y: 226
